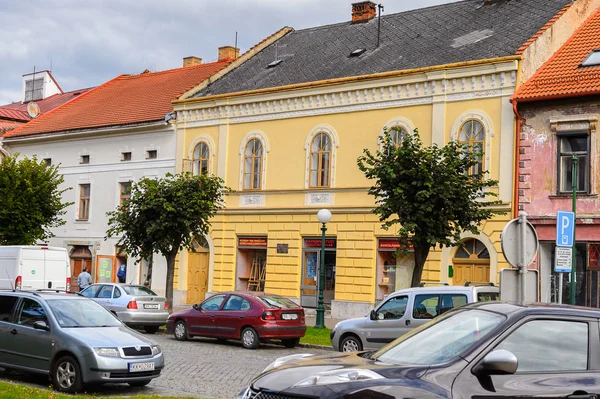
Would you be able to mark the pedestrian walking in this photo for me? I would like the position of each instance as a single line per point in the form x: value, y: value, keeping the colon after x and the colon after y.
x: 84, y: 279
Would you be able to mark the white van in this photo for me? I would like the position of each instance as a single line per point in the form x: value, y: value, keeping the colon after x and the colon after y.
x: 31, y: 267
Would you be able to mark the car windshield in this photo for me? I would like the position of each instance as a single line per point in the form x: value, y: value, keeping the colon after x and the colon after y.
x: 138, y: 290
x: 278, y: 302
x: 442, y: 340
x: 79, y: 313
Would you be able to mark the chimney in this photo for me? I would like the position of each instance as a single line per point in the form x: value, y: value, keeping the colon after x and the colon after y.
x: 363, y: 11
x: 189, y: 61
x: 228, y: 53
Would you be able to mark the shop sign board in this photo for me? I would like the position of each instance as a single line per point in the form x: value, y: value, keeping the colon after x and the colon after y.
x: 316, y: 243
x: 254, y: 242
x: 563, y: 260
x: 391, y: 244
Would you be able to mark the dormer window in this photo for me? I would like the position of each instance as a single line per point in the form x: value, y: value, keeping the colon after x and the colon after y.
x: 592, y: 60
x: 34, y: 90
x: 358, y: 52
x: 274, y: 63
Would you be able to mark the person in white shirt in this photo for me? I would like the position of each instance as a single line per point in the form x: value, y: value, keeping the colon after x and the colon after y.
x: 84, y: 279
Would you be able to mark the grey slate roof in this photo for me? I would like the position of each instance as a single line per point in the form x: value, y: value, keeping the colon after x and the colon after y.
x: 463, y: 31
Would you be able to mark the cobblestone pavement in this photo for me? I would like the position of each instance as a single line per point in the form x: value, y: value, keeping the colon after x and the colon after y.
x: 197, y: 368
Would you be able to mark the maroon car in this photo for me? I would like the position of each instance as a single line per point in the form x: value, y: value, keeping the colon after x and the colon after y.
x: 248, y: 316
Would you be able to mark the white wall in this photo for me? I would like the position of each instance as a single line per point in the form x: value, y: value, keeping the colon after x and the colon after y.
x: 104, y: 173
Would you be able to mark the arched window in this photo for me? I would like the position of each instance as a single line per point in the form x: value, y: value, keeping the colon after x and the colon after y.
x: 472, y: 249
x: 472, y: 133
x: 201, y: 158
x: 397, y: 134
x: 253, y: 159
x: 320, y: 161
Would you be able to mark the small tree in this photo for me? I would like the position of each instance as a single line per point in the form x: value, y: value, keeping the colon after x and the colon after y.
x: 31, y: 200
x: 430, y: 193
x: 164, y: 215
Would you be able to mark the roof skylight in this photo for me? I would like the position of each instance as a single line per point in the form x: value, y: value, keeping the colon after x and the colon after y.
x: 357, y: 52
x: 592, y: 60
x: 274, y: 63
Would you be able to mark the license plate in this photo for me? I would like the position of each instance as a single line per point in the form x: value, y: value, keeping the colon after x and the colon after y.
x: 151, y: 306
x: 134, y: 367
x: 289, y: 316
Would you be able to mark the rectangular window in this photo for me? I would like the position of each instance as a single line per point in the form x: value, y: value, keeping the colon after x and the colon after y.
x: 125, y: 192
x: 569, y: 146
x: 126, y: 156
x: 34, y: 90
x: 84, y: 159
x: 84, y: 201
x: 47, y: 161
x: 151, y: 154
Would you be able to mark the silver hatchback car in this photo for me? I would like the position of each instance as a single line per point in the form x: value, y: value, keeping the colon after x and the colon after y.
x: 74, y: 340
x: 134, y: 305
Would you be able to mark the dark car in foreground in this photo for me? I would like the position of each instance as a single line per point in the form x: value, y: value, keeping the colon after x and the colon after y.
x: 73, y: 340
x: 484, y: 350
x: 250, y: 317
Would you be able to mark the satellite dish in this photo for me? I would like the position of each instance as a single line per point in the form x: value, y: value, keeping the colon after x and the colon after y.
x: 33, y: 109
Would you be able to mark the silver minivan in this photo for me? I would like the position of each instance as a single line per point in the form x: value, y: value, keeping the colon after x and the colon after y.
x: 403, y: 311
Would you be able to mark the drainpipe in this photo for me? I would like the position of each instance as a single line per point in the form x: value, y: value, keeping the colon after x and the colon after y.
x: 517, y: 158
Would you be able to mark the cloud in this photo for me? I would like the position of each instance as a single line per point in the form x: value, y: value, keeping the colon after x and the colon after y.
x: 89, y: 42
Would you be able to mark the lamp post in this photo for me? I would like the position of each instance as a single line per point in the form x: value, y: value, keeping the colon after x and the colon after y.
x: 324, y: 217
x: 574, y: 258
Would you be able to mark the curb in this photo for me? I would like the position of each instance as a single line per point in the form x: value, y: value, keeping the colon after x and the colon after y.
x: 312, y: 346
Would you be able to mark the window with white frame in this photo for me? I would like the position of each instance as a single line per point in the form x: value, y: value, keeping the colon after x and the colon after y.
x: 320, y: 161
x: 34, y: 90
x: 569, y: 146
x: 397, y: 135
x: 201, y: 158
x: 84, y: 202
x: 472, y: 134
x: 253, y: 160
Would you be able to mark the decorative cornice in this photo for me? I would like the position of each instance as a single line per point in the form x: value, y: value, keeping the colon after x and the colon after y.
x: 574, y: 123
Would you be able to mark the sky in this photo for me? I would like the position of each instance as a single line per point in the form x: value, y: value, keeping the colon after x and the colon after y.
x: 87, y: 42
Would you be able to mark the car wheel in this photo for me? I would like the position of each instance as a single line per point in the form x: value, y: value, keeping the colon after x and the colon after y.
x: 291, y: 343
x: 142, y: 383
x: 66, y: 375
x: 350, y: 344
x: 181, y: 331
x: 250, y: 338
x: 151, y: 329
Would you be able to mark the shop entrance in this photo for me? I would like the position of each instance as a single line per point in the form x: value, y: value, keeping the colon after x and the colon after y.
x: 251, y: 268
x: 310, y: 271
x: 394, y: 271
x: 471, y: 263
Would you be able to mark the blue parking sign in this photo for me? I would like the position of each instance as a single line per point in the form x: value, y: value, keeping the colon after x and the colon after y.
x: 565, y: 226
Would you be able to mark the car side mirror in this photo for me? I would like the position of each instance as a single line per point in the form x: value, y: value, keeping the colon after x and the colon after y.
x: 497, y: 362
x: 41, y: 325
x: 373, y: 315
x: 196, y: 306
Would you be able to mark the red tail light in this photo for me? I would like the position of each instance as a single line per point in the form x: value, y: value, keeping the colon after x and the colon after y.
x: 132, y: 305
x: 18, y: 283
x: 68, y: 284
x: 302, y: 315
x: 268, y: 316
x: 166, y: 305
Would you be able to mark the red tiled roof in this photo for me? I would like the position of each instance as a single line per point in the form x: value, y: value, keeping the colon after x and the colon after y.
x: 126, y: 99
x: 47, y: 104
x: 5, y: 125
x: 561, y: 76
x: 14, y: 114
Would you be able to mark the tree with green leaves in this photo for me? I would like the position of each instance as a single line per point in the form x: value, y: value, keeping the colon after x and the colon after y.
x: 164, y: 215
x: 430, y: 194
x: 31, y: 202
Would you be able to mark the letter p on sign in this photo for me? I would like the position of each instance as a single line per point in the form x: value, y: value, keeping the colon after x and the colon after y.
x: 565, y: 223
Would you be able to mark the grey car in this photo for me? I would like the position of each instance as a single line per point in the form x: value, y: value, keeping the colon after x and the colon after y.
x: 134, y: 305
x: 74, y: 340
x: 403, y: 311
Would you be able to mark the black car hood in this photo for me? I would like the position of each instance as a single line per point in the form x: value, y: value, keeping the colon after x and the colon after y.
x: 284, y: 377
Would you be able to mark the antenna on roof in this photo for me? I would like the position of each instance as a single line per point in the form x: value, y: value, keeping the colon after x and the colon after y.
x: 235, y: 51
x: 380, y: 6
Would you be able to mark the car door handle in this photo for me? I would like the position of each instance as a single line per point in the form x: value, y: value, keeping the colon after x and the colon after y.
x: 241, y: 317
x: 13, y: 331
x: 407, y: 322
x: 583, y: 396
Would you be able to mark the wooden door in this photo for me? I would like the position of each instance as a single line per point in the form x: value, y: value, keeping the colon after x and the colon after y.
x: 471, y: 263
x: 197, y: 276
x: 77, y: 266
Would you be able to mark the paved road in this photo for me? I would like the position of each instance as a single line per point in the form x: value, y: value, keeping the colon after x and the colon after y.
x: 198, y: 368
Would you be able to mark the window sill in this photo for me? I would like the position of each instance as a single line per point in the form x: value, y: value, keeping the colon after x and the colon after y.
x: 570, y: 195
x: 82, y: 221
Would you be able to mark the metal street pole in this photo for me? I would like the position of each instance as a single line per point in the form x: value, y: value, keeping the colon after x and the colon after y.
x: 523, y: 253
x: 574, y: 259
x: 320, y: 323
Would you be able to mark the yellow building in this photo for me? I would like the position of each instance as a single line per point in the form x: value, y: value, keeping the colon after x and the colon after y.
x: 285, y: 129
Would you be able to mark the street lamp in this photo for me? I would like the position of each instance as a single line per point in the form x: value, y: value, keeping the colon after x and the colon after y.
x: 324, y: 217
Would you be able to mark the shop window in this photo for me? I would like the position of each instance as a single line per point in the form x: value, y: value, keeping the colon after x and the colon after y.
x: 251, y: 263
x: 394, y: 272
x: 310, y: 274
x: 569, y: 146
x: 560, y: 283
x: 472, y: 135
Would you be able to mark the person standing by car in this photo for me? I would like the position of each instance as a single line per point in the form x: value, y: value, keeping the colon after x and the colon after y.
x: 84, y: 279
